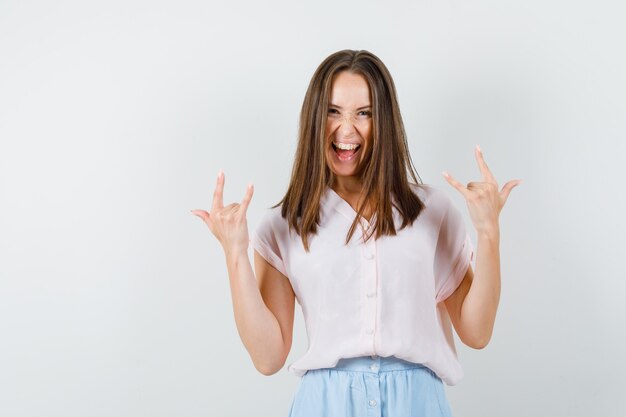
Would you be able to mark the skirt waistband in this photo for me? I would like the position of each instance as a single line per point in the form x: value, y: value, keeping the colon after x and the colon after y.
x: 375, y: 364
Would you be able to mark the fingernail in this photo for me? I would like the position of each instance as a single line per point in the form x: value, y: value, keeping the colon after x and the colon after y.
x: 445, y: 174
x: 478, y: 147
x: 220, y: 174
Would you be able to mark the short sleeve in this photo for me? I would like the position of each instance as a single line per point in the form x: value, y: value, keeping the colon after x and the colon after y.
x: 265, y: 240
x: 453, y: 254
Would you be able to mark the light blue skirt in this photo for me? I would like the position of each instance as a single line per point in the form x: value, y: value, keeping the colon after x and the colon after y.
x: 371, y: 386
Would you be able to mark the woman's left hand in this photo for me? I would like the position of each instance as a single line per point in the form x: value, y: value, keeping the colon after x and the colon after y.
x: 483, y: 199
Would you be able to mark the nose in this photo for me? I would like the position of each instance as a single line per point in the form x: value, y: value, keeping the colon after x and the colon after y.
x: 347, y: 125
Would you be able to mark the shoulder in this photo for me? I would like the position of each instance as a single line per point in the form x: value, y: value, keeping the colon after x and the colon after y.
x: 272, y: 213
x: 268, y: 235
x: 434, y: 198
x: 272, y: 217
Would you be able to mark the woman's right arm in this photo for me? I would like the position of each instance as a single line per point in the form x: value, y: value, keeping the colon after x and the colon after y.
x: 264, y: 310
x: 263, y: 305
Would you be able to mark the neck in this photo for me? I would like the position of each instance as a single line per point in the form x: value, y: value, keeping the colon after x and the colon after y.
x: 351, y: 189
x: 347, y: 186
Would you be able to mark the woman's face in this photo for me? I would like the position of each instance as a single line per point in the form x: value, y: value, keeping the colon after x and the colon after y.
x: 348, y: 124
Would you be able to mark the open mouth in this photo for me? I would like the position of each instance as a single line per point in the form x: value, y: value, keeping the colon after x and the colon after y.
x: 346, y: 154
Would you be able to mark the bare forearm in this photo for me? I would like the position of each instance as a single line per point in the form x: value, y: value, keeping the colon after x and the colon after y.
x: 478, y: 312
x: 258, y: 328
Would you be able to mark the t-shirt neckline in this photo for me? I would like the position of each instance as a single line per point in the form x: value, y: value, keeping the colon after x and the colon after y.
x: 343, y: 207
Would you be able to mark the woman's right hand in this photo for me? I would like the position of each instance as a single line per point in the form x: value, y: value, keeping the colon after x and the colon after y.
x: 228, y: 224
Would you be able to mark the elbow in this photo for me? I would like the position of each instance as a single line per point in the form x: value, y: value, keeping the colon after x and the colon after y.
x: 266, y: 371
x: 475, y: 339
x: 269, y: 369
x: 478, y: 342
x: 480, y: 345
x: 271, y: 360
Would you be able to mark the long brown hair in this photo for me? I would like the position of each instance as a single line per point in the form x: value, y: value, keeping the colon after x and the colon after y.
x: 386, y: 170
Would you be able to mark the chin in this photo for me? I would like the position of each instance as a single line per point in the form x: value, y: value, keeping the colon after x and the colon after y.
x: 343, y: 171
x: 339, y: 170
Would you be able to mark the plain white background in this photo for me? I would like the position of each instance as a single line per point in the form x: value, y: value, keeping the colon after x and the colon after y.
x: 115, y: 118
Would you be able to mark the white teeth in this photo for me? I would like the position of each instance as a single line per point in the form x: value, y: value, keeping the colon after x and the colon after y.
x: 346, y: 146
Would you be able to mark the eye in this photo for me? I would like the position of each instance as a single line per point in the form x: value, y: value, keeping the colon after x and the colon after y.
x: 366, y: 112
x: 332, y: 111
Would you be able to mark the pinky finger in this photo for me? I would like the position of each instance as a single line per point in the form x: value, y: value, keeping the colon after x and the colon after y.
x: 506, y: 189
x: 246, y: 199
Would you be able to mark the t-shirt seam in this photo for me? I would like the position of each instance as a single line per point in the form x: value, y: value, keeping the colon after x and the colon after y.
x: 268, y: 254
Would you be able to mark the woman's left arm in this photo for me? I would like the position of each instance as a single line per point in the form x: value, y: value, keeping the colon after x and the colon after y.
x: 472, y: 306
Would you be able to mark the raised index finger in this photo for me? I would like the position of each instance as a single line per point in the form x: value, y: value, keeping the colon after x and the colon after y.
x: 218, y: 194
x: 482, y: 165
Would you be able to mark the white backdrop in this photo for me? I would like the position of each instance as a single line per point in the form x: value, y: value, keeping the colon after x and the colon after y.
x: 116, y: 116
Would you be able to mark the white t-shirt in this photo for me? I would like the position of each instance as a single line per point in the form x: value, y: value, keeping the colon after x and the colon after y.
x: 383, y: 297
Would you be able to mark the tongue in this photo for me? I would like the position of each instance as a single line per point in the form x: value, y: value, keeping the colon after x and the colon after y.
x: 345, y: 153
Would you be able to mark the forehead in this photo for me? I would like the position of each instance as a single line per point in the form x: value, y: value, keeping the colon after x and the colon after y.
x: 350, y: 88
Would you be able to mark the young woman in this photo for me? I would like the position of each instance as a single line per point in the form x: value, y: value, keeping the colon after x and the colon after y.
x: 380, y: 265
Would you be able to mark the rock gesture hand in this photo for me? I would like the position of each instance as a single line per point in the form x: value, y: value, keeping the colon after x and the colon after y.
x: 483, y: 199
x: 228, y: 223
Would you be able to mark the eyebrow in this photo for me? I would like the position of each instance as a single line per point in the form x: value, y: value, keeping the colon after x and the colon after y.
x: 339, y: 107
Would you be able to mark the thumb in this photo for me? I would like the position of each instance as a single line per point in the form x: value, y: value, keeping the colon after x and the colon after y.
x: 203, y: 215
